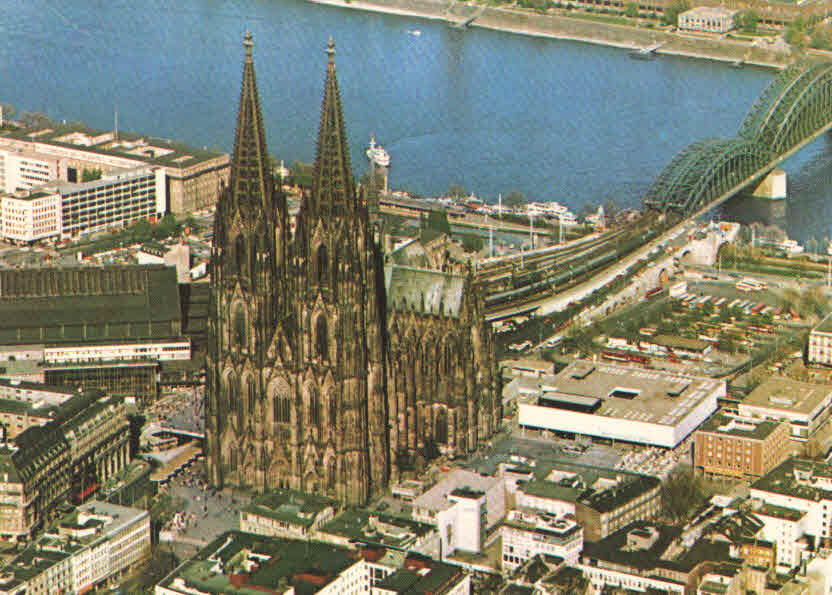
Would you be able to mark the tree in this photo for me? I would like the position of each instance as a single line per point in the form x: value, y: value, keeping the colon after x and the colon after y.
x: 631, y: 10
x: 90, y: 175
x: 673, y: 10
x: 457, y: 192
x: 726, y: 344
x: 821, y: 37
x: 682, y: 492
x: 796, y: 33
x: 34, y: 119
x: 747, y: 21
x: 8, y: 111
x: 586, y: 210
x: 472, y: 242
x: 438, y: 221
x: 514, y: 199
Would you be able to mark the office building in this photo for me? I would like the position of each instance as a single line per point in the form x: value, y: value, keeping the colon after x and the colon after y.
x: 89, y: 548
x: 238, y: 563
x: 85, y: 442
x: 620, y: 403
x: 527, y: 533
x: 65, y: 211
x: 804, y: 406
x: 75, y: 153
x: 740, y: 447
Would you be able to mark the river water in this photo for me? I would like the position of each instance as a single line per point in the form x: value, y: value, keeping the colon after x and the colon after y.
x: 492, y: 111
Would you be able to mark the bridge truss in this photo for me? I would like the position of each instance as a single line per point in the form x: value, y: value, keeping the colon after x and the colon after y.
x: 704, y: 171
x: 794, y: 107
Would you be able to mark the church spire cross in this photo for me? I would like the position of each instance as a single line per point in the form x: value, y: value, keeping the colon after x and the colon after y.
x: 248, y: 43
x: 330, y: 51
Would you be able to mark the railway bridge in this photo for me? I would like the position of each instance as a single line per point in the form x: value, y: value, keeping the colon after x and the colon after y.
x: 791, y: 112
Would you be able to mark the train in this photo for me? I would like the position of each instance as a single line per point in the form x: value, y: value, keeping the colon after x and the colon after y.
x: 532, y: 283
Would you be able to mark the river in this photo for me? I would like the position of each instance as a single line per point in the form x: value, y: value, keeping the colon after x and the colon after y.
x: 492, y: 111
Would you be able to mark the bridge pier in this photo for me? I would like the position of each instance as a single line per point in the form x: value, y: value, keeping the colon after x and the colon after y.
x: 766, y: 204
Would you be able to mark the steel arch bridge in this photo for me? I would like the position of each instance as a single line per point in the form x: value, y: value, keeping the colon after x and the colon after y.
x: 703, y: 172
x: 794, y: 108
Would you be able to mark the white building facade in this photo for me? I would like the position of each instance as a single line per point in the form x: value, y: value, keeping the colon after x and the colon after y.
x: 528, y: 533
x: 67, y: 210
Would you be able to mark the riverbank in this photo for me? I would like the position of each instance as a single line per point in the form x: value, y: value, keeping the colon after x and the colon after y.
x: 557, y: 26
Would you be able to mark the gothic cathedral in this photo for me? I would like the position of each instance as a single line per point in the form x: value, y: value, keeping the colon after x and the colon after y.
x: 330, y: 371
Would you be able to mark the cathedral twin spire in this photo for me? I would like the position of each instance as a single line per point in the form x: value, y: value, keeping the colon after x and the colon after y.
x: 251, y: 178
x: 333, y: 190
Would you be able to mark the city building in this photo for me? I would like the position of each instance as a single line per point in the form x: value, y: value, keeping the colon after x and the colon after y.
x: 85, y: 443
x: 784, y: 527
x: 801, y: 486
x: 820, y: 342
x: 464, y: 506
x: 804, y: 406
x: 707, y: 19
x: 26, y: 217
x: 423, y: 576
x: 17, y: 416
x: 602, y: 500
x: 527, y: 533
x: 631, y: 559
x: 286, y: 513
x: 91, y: 547
x: 94, y: 327
x: 329, y: 372
x: 676, y: 346
x: 358, y: 526
x: 740, y: 447
x: 35, y: 393
x: 24, y: 170
x: 67, y: 210
x: 621, y: 403
x: 238, y: 563
x: 74, y: 153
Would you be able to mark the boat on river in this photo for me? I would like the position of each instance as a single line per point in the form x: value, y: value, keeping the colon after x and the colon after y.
x: 377, y: 154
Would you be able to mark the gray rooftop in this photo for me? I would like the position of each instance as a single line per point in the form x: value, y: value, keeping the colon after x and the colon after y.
x: 788, y: 395
x: 423, y: 290
x: 650, y: 396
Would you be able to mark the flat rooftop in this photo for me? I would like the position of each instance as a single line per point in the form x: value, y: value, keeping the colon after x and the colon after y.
x: 436, y: 498
x: 724, y: 425
x: 709, y: 12
x: 788, y: 395
x: 362, y: 525
x: 290, y: 506
x: 142, y: 149
x: 623, y: 392
x: 799, y: 478
x: 238, y: 563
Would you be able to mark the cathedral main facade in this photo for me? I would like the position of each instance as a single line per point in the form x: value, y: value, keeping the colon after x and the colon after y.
x: 331, y: 370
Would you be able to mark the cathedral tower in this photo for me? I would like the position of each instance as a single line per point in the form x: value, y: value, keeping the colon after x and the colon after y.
x: 340, y: 358
x: 327, y: 371
x: 248, y: 266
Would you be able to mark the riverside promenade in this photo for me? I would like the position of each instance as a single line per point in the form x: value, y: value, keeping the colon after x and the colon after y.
x: 557, y: 26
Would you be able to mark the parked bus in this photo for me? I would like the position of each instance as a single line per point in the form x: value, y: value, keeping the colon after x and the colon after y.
x: 749, y: 284
x: 652, y: 293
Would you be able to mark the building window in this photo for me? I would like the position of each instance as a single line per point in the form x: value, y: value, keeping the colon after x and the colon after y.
x: 321, y: 337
